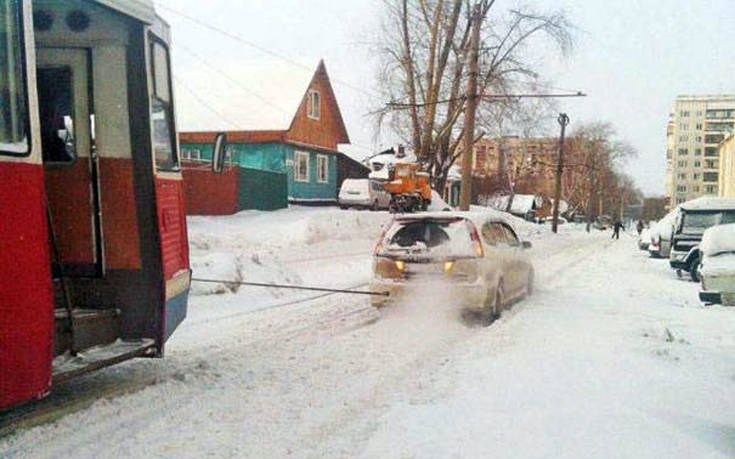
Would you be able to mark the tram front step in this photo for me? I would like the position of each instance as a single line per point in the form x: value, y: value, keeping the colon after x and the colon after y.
x: 89, y: 328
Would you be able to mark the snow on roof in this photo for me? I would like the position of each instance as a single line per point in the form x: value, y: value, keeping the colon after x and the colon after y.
x: 256, y: 95
x: 381, y: 164
x: 718, y: 239
x: 709, y: 203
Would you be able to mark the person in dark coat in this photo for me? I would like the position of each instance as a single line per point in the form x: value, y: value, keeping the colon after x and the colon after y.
x: 639, y: 227
x: 616, y: 229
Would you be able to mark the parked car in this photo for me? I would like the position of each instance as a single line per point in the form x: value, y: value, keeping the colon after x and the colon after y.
x: 560, y: 220
x: 661, y: 235
x: 717, y: 268
x: 363, y: 193
x: 692, y: 220
x: 644, y: 239
x: 478, y: 256
x: 603, y: 222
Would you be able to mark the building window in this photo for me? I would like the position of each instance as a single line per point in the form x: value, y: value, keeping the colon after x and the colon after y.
x: 681, y: 189
x: 684, y: 114
x: 322, y: 168
x: 699, y: 139
x: 699, y: 125
x: 683, y: 127
x: 314, y: 105
x: 699, y: 113
x: 697, y: 163
x: 697, y: 152
x: 711, y: 151
x: 695, y: 177
x: 683, y: 151
x: 683, y: 138
x: 682, y: 164
x: 695, y: 188
x: 301, y: 166
x: 711, y: 176
x: 711, y: 189
x: 710, y: 164
x: 682, y: 176
x: 713, y: 138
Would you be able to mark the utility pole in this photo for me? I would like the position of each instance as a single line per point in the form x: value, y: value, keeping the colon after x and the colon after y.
x: 469, y: 121
x: 563, y: 122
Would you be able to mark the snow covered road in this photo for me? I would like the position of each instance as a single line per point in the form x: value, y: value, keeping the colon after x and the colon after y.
x: 613, y: 356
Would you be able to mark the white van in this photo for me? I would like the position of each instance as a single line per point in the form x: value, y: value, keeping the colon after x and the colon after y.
x: 363, y: 193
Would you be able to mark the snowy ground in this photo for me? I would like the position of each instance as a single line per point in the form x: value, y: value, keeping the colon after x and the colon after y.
x: 612, y: 357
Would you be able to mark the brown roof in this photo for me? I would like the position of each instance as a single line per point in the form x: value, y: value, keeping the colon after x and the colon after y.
x: 234, y: 136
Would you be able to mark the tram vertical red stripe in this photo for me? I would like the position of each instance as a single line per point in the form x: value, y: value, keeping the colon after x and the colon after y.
x: 26, y: 309
x: 172, y: 226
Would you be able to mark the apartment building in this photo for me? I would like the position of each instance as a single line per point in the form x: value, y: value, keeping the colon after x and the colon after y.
x: 727, y: 167
x: 697, y: 126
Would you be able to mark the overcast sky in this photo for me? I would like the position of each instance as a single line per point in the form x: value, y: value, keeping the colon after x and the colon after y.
x: 631, y: 56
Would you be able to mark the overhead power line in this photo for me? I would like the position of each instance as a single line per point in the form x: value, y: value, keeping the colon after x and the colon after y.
x: 260, y: 48
x: 404, y: 105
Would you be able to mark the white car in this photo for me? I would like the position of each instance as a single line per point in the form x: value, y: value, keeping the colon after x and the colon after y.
x: 477, y: 256
x: 560, y: 220
x: 644, y: 240
x: 717, y: 268
x: 363, y: 193
x: 661, y: 235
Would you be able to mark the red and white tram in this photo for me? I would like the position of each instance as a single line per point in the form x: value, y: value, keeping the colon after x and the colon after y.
x: 94, y: 262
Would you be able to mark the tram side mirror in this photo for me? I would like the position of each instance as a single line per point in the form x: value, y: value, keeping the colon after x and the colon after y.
x: 219, y: 152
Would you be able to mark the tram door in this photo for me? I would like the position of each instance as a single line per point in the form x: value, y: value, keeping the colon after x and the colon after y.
x: 69, y: 167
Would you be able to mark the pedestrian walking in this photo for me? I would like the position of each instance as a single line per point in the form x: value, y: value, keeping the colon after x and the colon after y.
x: 639, y: 227
x: 616, y: 230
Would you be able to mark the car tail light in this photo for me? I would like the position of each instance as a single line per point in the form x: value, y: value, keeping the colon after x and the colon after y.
x: 475, y: 236
x: 388, y: 268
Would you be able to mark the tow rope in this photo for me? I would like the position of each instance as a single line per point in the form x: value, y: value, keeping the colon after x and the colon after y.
x: 291, y: 287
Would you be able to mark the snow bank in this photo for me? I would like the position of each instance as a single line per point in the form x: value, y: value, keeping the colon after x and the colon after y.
x: 256, y: 246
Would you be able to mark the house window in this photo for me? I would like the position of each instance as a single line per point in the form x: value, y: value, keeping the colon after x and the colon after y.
x: 192, y: 154
x: 314, y: 105
x: 301, y: 167
x: 322, y: 168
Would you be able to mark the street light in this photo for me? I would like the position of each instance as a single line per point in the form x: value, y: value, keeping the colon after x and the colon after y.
x: 563, y: 122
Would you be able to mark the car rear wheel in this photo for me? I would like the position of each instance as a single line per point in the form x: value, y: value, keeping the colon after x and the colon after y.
x: 494, y: 305
x: 694, y: 270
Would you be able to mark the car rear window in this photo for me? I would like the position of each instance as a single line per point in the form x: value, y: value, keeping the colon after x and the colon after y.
x: 430, y: 238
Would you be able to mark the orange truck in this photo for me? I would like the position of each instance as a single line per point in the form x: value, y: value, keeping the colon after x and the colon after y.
x: 409, y: 188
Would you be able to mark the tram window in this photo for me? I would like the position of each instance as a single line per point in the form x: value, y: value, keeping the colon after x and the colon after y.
x: 164, y: 145
x: 13, y: 109
x: 55, y: 106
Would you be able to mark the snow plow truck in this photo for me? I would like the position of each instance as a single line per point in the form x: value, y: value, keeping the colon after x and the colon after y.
x: 409, y: 189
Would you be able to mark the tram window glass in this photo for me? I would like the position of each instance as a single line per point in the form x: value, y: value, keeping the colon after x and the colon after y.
x: 55, y: 106
x: 164, y: 145
x: 13, y: 110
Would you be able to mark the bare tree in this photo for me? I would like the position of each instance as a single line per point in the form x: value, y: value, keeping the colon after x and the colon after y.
x: 424, y: 44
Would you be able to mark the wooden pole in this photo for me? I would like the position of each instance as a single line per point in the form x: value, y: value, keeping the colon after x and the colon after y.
x: 471, y: 109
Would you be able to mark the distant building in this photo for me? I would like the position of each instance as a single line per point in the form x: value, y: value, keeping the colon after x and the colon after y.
x: 727, y: 167
x: 696, y: 127
x: 302, y: 144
